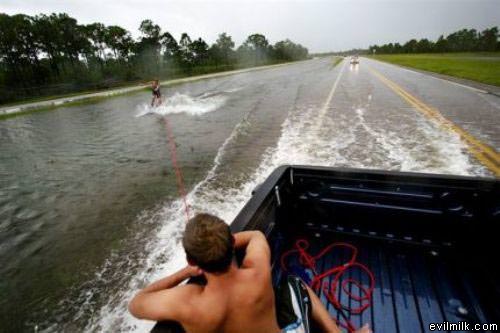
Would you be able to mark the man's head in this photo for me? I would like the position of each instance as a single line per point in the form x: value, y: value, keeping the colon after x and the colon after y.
x: 208, y: 243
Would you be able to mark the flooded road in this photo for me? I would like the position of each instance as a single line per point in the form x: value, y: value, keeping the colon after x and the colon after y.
x: 88, y: 204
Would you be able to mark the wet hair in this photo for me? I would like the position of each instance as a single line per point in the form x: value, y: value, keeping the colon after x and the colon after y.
x: 208, y: 243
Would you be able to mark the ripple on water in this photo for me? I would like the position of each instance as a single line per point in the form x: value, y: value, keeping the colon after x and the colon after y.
x: 27, y: 214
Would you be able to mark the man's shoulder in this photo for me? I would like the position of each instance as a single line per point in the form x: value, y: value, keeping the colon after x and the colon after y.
x: 255, y: 273
x: 185, y: 297
x: 191, y: 289
x: 185, y: 294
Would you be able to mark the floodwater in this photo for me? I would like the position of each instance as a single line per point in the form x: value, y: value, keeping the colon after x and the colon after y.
x: 89, y: 210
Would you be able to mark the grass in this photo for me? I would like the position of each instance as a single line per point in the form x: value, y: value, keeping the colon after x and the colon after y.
x: 482, y: 67
x: 336, y: 61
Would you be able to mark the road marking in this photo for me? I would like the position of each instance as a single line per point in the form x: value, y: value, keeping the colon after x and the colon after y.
x: 485, y: 154
x: 323, y: 110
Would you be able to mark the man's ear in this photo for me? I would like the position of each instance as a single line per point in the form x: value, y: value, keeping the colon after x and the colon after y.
x: 190, y: 261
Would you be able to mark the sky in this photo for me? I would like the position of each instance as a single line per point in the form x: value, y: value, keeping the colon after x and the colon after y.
x: 321, y: 26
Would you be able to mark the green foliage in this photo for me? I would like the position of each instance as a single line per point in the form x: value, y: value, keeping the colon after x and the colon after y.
x: 465, y: 40
x: 289, y: 51
x: 481, y: 67
x: 222, y: 52
x: 336, y: 60
x: 48, y: 55
x: 342, y: 53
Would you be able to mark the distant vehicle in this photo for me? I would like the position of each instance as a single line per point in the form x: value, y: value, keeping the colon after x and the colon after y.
x: 354, y: 60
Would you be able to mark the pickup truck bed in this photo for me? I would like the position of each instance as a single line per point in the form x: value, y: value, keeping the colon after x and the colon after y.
x: 429, y: 240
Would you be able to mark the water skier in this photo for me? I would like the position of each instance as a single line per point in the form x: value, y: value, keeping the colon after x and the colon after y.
x: 155, y: 86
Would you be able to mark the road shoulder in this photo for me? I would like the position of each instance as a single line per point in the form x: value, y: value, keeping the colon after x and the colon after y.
x: 478, y: 86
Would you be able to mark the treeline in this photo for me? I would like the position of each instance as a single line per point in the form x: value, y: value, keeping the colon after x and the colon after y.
x: 352, y: 52
x: 53, y: 54
x: 465, y: 40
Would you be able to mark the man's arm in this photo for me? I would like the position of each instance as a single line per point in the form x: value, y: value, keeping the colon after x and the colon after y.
x: 160, y: 300
x: 257, y: 251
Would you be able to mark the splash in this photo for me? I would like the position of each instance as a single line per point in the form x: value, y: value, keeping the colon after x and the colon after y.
x: 181, y: 103
x: 427, y: 149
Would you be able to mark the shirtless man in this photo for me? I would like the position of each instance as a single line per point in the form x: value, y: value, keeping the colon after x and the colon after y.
x: 235, y: 299
x: 155, y: 86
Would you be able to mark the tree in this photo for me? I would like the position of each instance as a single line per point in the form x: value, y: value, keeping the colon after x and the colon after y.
x: 170, y: 48
x: 441, y: 44
x: 410, y: 46
x: 463, y: 40
x: 186, y: 55
x: 17, y: 45
x: 257, y: 44
x: 289, y: 51
x: 424, y: 45
x: 488, y: 39
x: 96, y: 35
x: 71, y: 37
x: 148, y: 49
x: 118, y: 40
x: 225, y: 47
x: 49, y: 39
x: 398, y: 48
x: 150, y: 40
x: 150, y: 30
x: 199, y: 51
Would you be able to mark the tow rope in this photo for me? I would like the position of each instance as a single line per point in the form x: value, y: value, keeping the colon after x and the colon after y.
x: 178, y: 173
x: 332, y: 290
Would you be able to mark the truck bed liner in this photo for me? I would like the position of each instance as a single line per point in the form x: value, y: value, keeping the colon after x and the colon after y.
x: 415, y: 285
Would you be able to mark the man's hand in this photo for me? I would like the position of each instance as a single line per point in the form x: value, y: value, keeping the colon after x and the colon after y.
x: 160, y: 300
x: 193, y: 271
x: 174, y: 279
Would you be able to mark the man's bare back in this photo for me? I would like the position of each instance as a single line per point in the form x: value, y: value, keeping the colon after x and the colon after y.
x: 243, y: 301
x: 234, y: 299
x: 239, y: 300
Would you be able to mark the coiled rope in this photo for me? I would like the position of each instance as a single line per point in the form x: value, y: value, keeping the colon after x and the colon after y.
x: 331, y: 290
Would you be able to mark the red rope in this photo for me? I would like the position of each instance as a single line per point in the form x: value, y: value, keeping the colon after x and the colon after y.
x: 178, y: 173
x: 331, y: 291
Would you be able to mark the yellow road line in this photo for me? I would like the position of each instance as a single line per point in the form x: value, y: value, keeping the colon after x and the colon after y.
x: 485, y: 154
x: 324, y: 108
